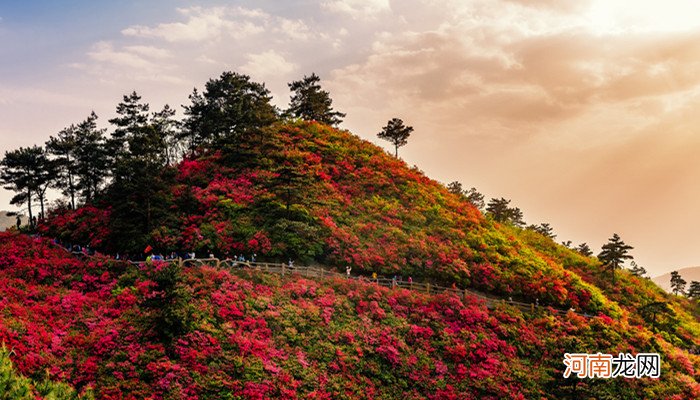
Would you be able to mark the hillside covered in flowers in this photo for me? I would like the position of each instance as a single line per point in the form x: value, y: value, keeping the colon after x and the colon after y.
x: 157, y: 331
x: 254, y: 183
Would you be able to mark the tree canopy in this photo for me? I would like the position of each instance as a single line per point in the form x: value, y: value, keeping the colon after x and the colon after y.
x: 501, y: 212
x: 677, y: 283
x: 26, y: 172
x: 396, y: 133
x: 230, y: 108
x: 614, y: 253
x: 311, y: 103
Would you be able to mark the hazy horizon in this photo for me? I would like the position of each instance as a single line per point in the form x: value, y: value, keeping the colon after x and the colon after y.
x: 580, y: 112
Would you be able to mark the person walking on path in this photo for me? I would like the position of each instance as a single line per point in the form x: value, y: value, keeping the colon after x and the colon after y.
x: 374, y: 277
x: 347, y: 271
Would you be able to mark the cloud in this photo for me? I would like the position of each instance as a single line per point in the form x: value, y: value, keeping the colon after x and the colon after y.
x: 111, y: 63
x: 493, y: 77
x: 357, y: 9
x: 566, y: 6
x: 202, y: 24
x: 149, y: 52
x: 293, y: 29
x: 105, y: 52
x: 268, y: 64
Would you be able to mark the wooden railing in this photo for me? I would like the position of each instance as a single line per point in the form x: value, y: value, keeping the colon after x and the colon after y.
x: 321, y: 273
x: 423, y: 287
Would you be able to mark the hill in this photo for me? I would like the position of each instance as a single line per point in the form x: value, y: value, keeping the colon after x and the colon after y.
x: 309, y: 192
x: 160, y: 331
x: 689, y: 274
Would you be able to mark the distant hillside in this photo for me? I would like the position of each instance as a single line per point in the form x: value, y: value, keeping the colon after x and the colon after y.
x: 689, y: 274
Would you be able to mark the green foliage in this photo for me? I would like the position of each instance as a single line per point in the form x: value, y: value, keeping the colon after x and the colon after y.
x: 637, y: 270
x: 311, y: 103
x: 168, y: 311
x: 28, y: 172
x: 231, y: 108
x: 677, y: 283
x: 63, y: 149
x: 14, y: 386
x: 694, y: 290
x: 501, y: 212
x: 614, y: 254
x: 544, y: 229
x: 584, y: 250
x: 396, y: 133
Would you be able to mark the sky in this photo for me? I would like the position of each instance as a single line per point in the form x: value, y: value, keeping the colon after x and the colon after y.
x: 582, y: 112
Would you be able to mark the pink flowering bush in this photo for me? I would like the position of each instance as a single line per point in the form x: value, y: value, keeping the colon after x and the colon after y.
x: 252, y: 335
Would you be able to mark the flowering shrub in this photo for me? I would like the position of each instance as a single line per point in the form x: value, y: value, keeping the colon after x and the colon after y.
x: 252, y: 335
x: 85, y: 226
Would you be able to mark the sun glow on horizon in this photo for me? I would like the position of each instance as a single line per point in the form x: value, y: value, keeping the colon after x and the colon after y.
x: 623, y: 16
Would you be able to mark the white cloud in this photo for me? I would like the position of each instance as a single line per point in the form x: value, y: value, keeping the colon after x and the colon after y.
x: 149, y: 52
x: 203, y: 24
x: 294, y: 29
x: 205, y: 59
x: 268, y: 64
x: 135, y: 62
x: 358, y: 9
x: 105, y: 52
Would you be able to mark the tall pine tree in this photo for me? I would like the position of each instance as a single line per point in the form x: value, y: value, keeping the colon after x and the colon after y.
x: 311, y: 103
x: 614, y: 254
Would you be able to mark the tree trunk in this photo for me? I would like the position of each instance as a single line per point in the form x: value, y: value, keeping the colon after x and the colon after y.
x: 71, y: 190
x: 41, y: 202
x: 29, y: 207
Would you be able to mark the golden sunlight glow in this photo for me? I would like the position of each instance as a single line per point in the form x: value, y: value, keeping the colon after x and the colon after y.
x: 624, y: 16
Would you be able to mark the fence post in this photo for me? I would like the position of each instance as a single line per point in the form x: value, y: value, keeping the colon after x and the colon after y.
x: 427, y: 287
x: 283, y: 269
x: 218, y: 263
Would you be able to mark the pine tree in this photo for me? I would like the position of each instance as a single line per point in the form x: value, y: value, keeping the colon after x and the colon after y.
x: 230, y: 108
x: 164, y: 122
x: 28, y: 172
x: 584, y: 250
x: 396, y: 133
x: 499, y: 210
x: 138, y: 192
x: 311, y: 103
x: 133, y: 115
x: 637, y: 270
x: 63, y: 149
x: 677, y: 283
x: 91, y: 158
x: 455, y: 188
x: 544, y: 229
x: 476, y: 198
x: 614, y: 254
x: 694, y: 290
